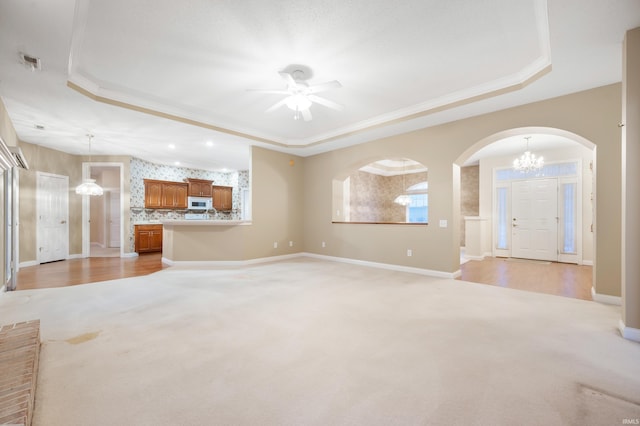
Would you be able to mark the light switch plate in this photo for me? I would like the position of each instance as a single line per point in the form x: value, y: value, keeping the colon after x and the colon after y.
x: 443, y: 223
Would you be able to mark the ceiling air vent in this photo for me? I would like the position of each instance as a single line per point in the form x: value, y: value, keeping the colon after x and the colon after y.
x: 30, y: 61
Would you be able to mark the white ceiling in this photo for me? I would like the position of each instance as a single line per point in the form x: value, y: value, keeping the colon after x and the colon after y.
x: 119, y: 68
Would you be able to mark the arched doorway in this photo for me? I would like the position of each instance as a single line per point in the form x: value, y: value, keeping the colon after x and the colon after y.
x: 546, y: 215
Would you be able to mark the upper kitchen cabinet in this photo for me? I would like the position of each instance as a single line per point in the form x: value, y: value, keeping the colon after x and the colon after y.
x: 160, y: 194
x: 222, y: 198
x: 153, y: 194
x: 199, y: 187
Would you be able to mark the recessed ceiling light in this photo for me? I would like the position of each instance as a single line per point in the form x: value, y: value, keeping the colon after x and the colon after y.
x: 209, y: 143
x: 177, y: 163
x: 172, y: 146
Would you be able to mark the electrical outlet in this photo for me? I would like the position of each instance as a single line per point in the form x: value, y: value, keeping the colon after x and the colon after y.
x: 290, y: 243
x: 324, y: 244
x: 275, y: 245
x: 409, y: 252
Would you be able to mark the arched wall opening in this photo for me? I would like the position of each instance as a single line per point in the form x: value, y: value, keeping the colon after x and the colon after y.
x: 384, y: 190
x: 492, y: 156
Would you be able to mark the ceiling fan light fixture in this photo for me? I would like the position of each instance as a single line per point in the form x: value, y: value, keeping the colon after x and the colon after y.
x: 298, y: 102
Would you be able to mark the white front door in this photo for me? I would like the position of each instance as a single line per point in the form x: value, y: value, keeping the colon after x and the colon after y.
x: 534, y: 223
x: 53, y: 217
x: 113, y: 219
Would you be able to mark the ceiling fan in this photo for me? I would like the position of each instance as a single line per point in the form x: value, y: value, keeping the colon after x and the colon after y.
x: 301, y: 95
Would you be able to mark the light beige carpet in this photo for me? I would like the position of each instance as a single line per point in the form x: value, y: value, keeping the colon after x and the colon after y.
x: 310, y: 342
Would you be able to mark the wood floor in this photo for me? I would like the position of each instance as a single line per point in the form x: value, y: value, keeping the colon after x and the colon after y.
x: 552, y: 278
x: 561, y: 279
x: 89, y: 270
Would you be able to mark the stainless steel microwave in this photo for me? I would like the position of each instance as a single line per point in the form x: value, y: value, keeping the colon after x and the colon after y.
x: 199, y: 203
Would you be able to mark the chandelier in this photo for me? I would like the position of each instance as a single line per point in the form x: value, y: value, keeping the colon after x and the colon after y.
x: 528, y: 162
x: 89, y: 186
x: 403, y: 199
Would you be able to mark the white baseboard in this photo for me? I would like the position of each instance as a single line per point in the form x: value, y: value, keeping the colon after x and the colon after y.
x: 587, y: 262
x: 605, y: 298
x: 629, y: 333
x: 400, y: 268
x: 75, y: 256
x: 229, y: 263
x: 237, y: 263
x: 470, y: 257
x: 132, y: 254
x: 28, y: 263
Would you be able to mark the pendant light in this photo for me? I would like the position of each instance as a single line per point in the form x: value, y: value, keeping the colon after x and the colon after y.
x: 89, y: 186
x: 403, y: 199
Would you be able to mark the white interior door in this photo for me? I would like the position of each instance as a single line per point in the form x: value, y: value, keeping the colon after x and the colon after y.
x: 534, y: 223
x: 113, y: 219
x: 53, y: 217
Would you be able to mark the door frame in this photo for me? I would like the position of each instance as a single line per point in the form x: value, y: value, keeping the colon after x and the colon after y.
x: 39, y: 175
x: 86, y: 209
x: 562, y: 257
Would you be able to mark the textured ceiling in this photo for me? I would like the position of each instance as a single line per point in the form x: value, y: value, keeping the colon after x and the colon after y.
x: 146, y: 74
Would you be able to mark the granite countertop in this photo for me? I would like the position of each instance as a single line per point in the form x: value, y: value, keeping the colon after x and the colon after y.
x: 204, y: 222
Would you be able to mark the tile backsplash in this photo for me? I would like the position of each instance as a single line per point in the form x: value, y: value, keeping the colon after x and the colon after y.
x: 141, y: 170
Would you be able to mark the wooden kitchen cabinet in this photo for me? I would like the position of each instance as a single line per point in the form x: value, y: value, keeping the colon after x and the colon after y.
x: 222, y: 198
x: 199, y: 187
x: 152, y: 194
x: 148, y: 238
x: 174, y: 195
x: 159, y: 194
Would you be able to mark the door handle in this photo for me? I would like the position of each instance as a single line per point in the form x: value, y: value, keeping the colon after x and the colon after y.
x: 62, y: 222
x: 515, y: 226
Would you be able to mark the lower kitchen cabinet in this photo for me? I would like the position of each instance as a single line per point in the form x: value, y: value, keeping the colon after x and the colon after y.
x: 148, y: 238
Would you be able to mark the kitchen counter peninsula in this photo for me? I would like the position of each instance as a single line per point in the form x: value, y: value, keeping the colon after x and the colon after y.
x: 206, y: 241
x: 203, y: 222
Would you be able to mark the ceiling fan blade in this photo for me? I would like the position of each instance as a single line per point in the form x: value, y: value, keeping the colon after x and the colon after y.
x: 278, y: 104
x: 289, y: 79
x: 277, y: 92
x: 325, y: 102
x: 306, y: 114
x: 322, y: 87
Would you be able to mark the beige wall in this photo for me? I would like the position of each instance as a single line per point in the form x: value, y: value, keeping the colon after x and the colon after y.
x: 7, y: 131
x: 591, y: 114
x: 49, y: 161
x: 277, y: 189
